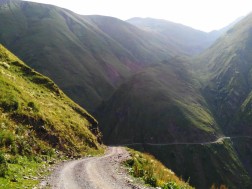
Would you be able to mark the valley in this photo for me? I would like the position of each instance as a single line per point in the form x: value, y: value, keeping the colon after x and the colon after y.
x: 180, y: 94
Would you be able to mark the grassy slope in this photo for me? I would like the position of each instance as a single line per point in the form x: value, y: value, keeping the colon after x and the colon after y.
x: 36, y: 120
x: 153, y: 172
x: 146, y: 47
x: 204, y: 165
x: 159, y: 104
x: 61, y: 45
x: 226, y: 75
x: 225, y: 72
x: 162, y: 104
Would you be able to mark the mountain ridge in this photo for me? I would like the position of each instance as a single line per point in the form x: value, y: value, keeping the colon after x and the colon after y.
x: 101, y: 50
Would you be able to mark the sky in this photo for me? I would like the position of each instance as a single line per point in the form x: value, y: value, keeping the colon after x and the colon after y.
x: 205, y: 15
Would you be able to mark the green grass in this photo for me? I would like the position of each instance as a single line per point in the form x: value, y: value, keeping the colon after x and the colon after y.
x: 38, y: 123
x: 22, y: 172
x: 205, y: 165
x: 225, y: 73
x: 153, y: 172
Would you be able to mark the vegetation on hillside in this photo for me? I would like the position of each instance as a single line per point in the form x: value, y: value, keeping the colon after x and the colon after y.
x: 205, y: 165
x: 225, y: 72
x: 158, y: 105
x: 37, y: 123
x: 88, y: 57
x: 153, y: 172
x: 80, y: 53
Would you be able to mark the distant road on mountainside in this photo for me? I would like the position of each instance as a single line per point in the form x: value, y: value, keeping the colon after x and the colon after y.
x: 219, y: 140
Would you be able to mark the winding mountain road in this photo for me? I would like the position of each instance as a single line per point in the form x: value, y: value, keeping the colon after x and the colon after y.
x: 103, y: 172
x: 106, y: 172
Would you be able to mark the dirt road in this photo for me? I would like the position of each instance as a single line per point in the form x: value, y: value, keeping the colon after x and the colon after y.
x: 103, y: 172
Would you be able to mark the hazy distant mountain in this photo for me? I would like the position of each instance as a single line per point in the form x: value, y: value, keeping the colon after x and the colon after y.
x: 217, y: 33
x: 190, y: 40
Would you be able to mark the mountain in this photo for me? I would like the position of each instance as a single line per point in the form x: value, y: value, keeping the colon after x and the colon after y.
x: 37, y: 122
x: 161, y: 110
x: 192, y: 41
x: 79, y: 52
x: 159, y: 104
x: 217, y: 33
x: 191, y: 101
x: 63, y: 46
x: 82, y: 52
x: 226, y: 76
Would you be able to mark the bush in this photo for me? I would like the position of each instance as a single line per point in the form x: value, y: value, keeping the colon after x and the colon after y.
x: 9, y: 105
x: 171, y: 185
x: 33, y: 106
x: 151, y: 181
x: 3, y: 166
x: 6, y: 138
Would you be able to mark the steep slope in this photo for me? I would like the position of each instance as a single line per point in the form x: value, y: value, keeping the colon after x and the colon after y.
x: 61, y: 45
x: 82, y: 52
x: 160, y: 104
x: 143, y: 45
x: 215, y: 34
x: 37, y: 122
x: 162, y: 111
x: 206, y: 165
x: 85, y: 58
x: 226, y: 74
x: 185, y: 38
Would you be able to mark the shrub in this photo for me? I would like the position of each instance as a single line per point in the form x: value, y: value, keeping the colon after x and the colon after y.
x: 9, y: 105
x: 151, y: 180
x: 3, y: 166
x: 171, y: 185
x: 33, y: 106
x: 6, y: 138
